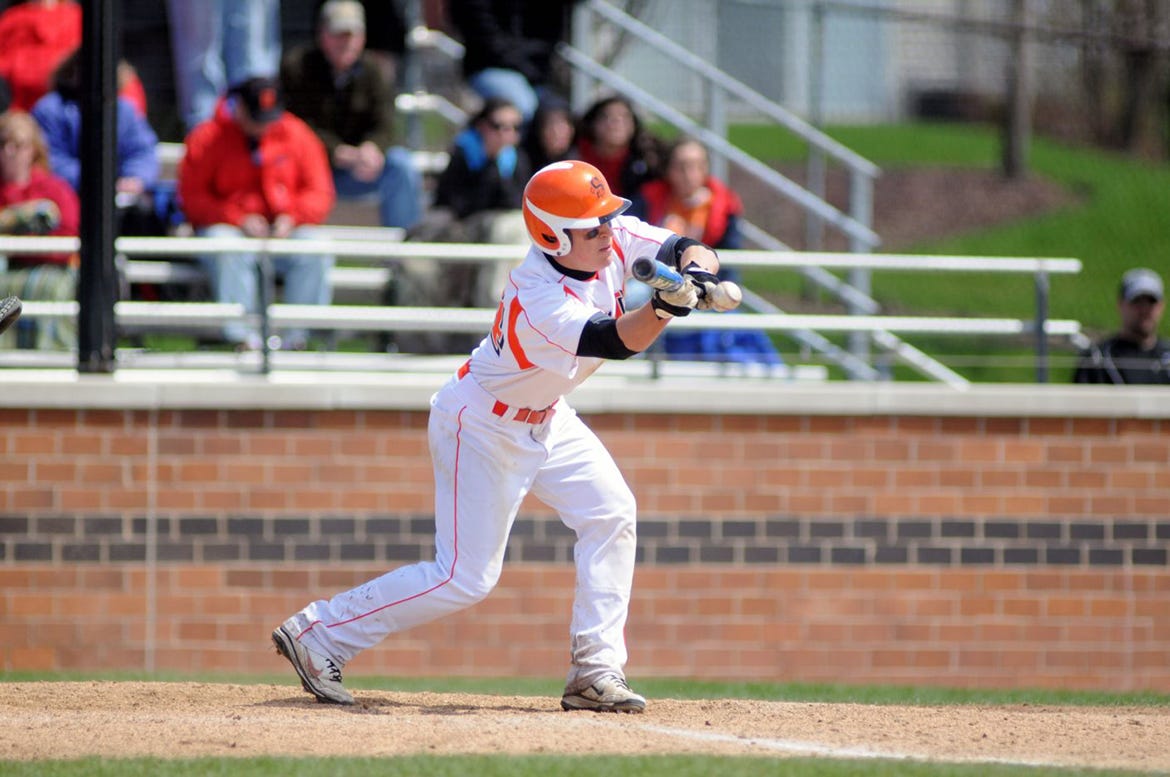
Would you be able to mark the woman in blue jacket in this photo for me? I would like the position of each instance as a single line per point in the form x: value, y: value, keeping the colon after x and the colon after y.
x: 59, y: 116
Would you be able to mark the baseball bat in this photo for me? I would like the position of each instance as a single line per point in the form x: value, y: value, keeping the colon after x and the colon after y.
x: 657, y: 275
x: 724, y: 296
x: 10, y: 308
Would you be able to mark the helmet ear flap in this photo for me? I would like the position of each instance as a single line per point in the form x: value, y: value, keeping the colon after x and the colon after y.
x: 543, y: 234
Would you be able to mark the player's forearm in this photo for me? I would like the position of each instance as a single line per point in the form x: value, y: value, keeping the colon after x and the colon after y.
x: 639, y: 328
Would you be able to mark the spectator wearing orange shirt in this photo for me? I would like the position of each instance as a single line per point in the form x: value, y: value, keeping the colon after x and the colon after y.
x: 690, y: 201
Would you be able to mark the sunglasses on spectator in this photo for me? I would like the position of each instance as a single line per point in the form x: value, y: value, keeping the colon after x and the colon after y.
x: 502, y: 126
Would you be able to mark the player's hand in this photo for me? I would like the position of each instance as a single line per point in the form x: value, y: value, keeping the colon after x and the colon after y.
x: 705, y: 284
x: 675, y: 304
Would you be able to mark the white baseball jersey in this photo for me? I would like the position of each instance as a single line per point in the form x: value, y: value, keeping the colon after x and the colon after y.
x: 493, y: 440
x: 529, y: 359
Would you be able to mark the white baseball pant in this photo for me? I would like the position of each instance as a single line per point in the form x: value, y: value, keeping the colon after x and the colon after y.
x: 484, y: 466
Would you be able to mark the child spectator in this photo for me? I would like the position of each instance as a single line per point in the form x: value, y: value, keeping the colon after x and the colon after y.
x: 689, y: 201
x: 33, y: 201
x: 257, y: 170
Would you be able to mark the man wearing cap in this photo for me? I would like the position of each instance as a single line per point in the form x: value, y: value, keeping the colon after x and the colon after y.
x: 341, y: 91
x: 256, y: 170
x: 1135, y: 355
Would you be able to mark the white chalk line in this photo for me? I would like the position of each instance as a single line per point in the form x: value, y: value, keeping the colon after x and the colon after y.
x: 799, y: 748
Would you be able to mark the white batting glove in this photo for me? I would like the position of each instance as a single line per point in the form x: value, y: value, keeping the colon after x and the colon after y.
x: 685, y: 297
x: 674, y: 304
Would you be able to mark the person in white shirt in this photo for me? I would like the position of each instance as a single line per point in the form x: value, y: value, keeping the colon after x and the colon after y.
x: 501, y: 428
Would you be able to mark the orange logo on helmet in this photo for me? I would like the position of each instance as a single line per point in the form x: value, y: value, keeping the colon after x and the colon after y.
x: 598, y: 187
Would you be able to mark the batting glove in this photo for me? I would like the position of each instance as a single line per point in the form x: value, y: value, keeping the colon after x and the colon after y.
x: 704, y: 283
x: 674, y: 304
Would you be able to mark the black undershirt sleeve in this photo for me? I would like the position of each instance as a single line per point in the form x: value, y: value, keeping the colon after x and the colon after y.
x: 600, y: 338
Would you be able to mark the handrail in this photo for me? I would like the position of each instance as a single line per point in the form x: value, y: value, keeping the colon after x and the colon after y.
x: 719, y: 85
x: 791, y: 121
x: 781, y: 183
x: 431, y: 319
x: 801, y: 327
x: 477, y: 252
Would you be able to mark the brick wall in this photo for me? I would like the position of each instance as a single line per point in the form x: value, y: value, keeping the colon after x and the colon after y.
x: 952, y: 550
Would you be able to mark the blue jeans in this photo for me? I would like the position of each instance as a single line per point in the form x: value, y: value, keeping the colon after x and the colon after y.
x: 398, y: 189
x: 234, y: 278
x: 218, y: 43
x: 507, y: 84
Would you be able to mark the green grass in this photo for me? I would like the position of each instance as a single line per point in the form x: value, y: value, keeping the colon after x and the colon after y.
x: 658, y: 687
x: 1119, y: 222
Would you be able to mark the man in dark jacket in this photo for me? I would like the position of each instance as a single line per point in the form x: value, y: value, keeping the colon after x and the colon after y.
x: 339, y: 89
x: 509, y: 46
x: 1135, y: 354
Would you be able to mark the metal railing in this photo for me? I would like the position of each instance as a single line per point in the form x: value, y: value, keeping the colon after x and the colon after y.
x: 856, y: 225
x: 376, y: 318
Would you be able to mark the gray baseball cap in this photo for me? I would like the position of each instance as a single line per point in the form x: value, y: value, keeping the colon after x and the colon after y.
x: 1141, y: 282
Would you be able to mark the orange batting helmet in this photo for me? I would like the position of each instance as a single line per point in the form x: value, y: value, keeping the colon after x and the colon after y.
x: 567, y: 195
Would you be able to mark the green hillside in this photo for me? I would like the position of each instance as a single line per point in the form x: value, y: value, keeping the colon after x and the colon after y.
x: 1120, y: 222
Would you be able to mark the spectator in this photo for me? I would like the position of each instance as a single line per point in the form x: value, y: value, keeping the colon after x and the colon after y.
x: 486, y: 173
x: 551, y: 136
x: 477, y: 200
x: 220, y: 42
x: 509, y: 46
x: 338, y: 89
x: 257, y: 170
x: 59, y: 116
x: 34, y: 37
x: 691, y: 202
x: 33, y: 201
x: 1135, y: 354
x: 385, y: 35
x: 611, y: 138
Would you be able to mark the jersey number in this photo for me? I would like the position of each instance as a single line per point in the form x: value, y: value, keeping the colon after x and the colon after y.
x: 506, y: 333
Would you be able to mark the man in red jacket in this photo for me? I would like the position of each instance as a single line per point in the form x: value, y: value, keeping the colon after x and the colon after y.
x: 256, y: 170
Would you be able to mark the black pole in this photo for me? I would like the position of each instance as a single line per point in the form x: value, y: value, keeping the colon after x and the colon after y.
x: 97, y: 287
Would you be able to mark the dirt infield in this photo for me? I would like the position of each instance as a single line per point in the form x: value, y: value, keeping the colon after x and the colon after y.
x: 180, y: 720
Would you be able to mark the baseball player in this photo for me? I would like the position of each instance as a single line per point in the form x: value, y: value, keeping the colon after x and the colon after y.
x: 501, y: 428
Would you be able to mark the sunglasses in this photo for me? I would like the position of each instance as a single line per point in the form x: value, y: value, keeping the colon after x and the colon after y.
x: 503, y: 126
